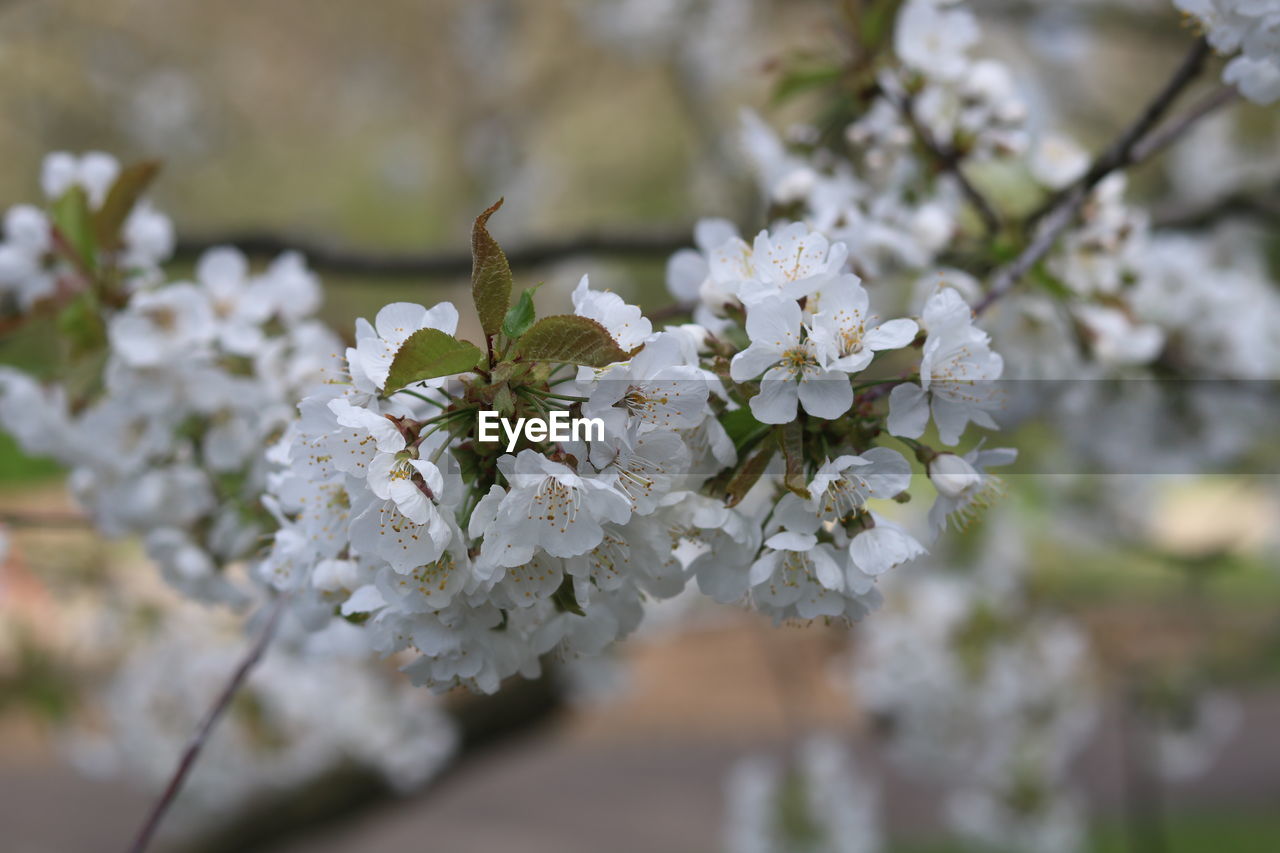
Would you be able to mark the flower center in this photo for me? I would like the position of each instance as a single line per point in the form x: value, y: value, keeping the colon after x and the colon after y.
x: 798, y: 359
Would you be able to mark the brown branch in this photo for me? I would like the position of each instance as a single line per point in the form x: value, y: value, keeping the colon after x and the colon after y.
x: 521, y: 708
x: 46, y: 519
x: 201, y: 736
x: 1061, y: 210
x: 951, y: 161
x: 674, y: 311
x: 325, y: 257
x: 1264, y: 206
x: 1162, y: 138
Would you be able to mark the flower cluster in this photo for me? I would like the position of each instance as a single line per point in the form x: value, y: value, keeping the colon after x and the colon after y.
x: 1251, y: 28
x: 838, y: 807
x: 900, y: 186
x: 192, y: 381
x: 746, y: 454
x: 395, y: 512
x: 33, y: 263
x: 983, y: 693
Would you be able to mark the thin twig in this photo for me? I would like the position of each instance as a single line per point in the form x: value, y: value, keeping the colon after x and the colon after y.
x: 45, y: 519
x: 1161, y: 139
x: 1265, y: 205
x: 324, y: 257
x: 1047, y: 233
x: 1120, y: 153
x: 950, y: 160
x: 671, y: 312
x: 1143, y: 797
x: 198, y: 740
x: 1053, y: 219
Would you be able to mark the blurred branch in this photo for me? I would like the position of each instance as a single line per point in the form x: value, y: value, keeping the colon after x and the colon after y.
x: 950, y: 161
x: 1129, y: 148
x: 1122, y: 152
x: 674, y: 311
x: 1264, y: 205
x: 1100, y: 16
x: 220, y: 705
x: 326, y: 257
x: 1143, y: 795
x: 519, y: 708
x: 45, y: 519
x: 1161, y: 139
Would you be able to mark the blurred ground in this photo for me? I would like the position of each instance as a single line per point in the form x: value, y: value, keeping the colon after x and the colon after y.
x: 640, y: 771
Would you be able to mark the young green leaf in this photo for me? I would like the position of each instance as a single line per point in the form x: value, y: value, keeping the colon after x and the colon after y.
x: 803, y: 78
x: 75, y: 225
x: 572, y: 339
x: 749, y: 474
x: 503, y: 401
x: 490, y: 275
x: 82, y: 326
x: 565, y: 598
x: 429, y: 353
x: 743, y: 428
x: 125, y: 192
x: 521, y: 315
x: 791, y: 440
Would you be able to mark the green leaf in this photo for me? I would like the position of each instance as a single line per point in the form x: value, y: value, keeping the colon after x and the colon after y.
x: 565, y: 599
x: 429, y: 353
x: 742, y: 427
x: 521, y: 315
x: 503, y: 402
x: 791, y: 440
x: 1054, y: 285
x: 572, y: 339
x: 490, y: 275
x: 75, y: 225
x: 82, y: 326
x: 748, y: 475
x: 123, y: 197
x: 802, y: 79
x: 877, y: 23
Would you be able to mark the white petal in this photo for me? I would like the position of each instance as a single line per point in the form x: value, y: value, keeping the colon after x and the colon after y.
x: 908, y: 410
x: 430, y: 474
x: 411, y: 502
x: 828, y: 395
x: 881, y: 548
x: 399, y: 320
x: 827, y: 570
x: 788, y: 541
x: 889, y: 474
x: 951, y: 418
x: 363, y: 600
x: 776, y: 402
x: 753, y: 361
x: 774, y: 321
x: 763, y: 568
x: 894, y: 334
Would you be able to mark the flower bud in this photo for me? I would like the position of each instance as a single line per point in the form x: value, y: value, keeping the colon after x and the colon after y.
x: 952, y: 476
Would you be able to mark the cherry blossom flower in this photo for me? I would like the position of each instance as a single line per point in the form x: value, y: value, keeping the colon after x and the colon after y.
x: 794, y: 362
x: 957, y: 373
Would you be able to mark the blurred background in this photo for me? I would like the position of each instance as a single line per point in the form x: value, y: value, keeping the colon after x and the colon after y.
x: 384, y: 129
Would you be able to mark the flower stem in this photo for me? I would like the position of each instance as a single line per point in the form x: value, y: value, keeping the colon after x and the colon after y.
x: 421, y: 397
x: 201, y: 736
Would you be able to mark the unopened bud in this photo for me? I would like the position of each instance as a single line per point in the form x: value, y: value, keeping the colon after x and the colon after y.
x: 952, y: 476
